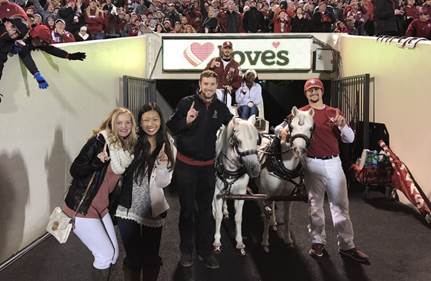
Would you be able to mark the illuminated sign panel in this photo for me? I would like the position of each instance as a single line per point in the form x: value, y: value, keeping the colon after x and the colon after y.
x: 264, y: 54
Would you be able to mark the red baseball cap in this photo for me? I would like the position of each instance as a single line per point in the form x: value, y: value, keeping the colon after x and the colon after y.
x: 313, y: 83
x: 227, y: 44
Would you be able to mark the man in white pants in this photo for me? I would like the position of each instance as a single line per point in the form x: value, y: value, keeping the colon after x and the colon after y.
x: 324, y: 173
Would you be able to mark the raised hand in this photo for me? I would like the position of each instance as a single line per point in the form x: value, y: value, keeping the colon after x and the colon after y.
x: 339, y: 120
x: 162, y: 157
x: 191, y: 114
x: 103, y: 156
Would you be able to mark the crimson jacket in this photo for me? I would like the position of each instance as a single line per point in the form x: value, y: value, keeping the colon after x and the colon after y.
x: 228, y: 76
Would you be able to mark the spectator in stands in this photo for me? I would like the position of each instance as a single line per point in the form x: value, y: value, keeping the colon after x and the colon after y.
x: 172, y: 14
x: 98, y: 167
x: 141, y: 8
x: 411, y: 11
x: 268, y: 15
x: 94, y: 19
x: 341, y: 27
x: 210, y: 22
x: 178, y: 28
x: 37, y: 19
x: 50, y: 22
x: 227, y: 69
x: 72, y: 15
x: 167, y: 25
x: 82, y: 35
x: 301, y: 21
x: 59, y: 34
x: 184, y: 21
x: 189, y: 29
x: 160, y: 28
x: 230, y: 19
x: 420, y: 27
x: 384, y: 18
x: 253, y: 20
x: 249, y: 95
x: 323, y: 18
x: 282, y: 22
x: 142, y: 206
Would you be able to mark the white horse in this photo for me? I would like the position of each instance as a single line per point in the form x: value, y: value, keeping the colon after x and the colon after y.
x: 237, y: 161
x: 281, y: 176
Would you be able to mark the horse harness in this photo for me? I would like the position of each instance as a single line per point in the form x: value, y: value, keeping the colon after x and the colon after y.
x: 230, y: 177
x: 306, y: 138
x: 274, y: 164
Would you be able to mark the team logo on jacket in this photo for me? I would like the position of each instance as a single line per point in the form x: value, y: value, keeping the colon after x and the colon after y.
x: 215, y: 114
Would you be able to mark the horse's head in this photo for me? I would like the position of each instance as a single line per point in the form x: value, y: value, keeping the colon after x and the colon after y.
x: 243, y: 140
x: 301, y: 126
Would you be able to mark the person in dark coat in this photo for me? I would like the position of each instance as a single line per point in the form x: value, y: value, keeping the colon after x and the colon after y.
x: 230, y: 20
x: 323, y: 18
x: 253, y: 20
x: 96, y: 171
x: 195, y: 124
x: 384, y: 18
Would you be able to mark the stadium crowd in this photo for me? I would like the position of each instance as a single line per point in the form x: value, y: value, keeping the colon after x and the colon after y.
x: 80, y: 20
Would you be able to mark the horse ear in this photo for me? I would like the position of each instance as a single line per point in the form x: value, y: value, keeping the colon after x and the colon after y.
x: 311, y: 112
x: 252, y: 119
x: 294, y: 111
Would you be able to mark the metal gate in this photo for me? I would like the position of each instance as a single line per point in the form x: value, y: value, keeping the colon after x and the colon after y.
x: 137, y: 92
x: 352, y: 96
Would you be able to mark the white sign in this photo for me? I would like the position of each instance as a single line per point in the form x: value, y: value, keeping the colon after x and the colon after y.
x: 268, y: 54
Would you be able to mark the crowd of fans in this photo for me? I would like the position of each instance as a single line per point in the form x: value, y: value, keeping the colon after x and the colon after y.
x: 81, y: 20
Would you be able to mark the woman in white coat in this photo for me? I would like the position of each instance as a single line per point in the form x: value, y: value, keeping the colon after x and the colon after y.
x: 142, y: 207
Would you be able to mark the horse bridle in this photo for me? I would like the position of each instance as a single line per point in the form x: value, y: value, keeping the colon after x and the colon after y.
x: 235, y: 143
x: 306, y: 138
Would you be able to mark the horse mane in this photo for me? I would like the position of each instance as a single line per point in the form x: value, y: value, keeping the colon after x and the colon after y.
x: 223, y: 137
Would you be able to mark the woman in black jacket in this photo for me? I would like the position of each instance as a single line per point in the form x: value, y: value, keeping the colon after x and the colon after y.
x: 142, y: 206
x: 96, y: 171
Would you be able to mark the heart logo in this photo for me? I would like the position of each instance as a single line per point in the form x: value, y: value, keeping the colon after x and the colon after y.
x: 197, y: 53
x: 276, y: 44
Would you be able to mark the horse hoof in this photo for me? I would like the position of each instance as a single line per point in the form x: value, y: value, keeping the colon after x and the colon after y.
x: 217, y: 249
x: 266, y: 249
x: 242, y: 252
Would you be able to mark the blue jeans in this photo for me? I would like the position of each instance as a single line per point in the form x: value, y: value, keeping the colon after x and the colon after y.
x: 244, y: 111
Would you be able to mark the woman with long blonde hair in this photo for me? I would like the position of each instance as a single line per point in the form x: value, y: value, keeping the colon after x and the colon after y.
x: 96, y: 171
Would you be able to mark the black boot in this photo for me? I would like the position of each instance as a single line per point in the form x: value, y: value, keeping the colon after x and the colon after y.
x: 151, y: 268
x: 131, y: 275
x: 100, y: 274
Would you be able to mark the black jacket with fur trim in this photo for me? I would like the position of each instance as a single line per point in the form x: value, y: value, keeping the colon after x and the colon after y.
x: 82, y: 169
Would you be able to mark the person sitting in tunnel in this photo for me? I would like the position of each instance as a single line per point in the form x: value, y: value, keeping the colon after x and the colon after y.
x: 249, y: 95
x: 228, y: 73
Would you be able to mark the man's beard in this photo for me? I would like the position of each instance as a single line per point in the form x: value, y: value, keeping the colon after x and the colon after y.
x: 226, y: 58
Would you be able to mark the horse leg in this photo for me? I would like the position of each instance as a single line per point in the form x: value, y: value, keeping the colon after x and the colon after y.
x: 239, y: 204
x: 273, y: 214
x: 218, y: 216
x: 225, y: 210
x: 287, y: 234
x: 266, y: 224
